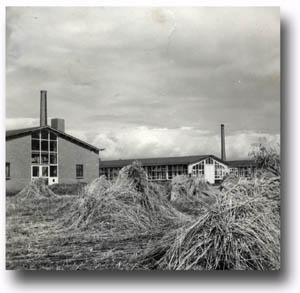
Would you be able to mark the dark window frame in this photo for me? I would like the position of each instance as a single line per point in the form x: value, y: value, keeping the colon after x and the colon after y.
x: 79, y: 171
x: 7, y: 170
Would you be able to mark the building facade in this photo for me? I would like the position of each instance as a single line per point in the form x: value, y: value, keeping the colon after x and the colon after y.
x: 211, y: 168
x: 48, y: 152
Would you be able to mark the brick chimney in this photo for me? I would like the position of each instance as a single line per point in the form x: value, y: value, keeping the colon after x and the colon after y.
x: 58, y: 124
x: 223, y: 153
x: 43, y: 109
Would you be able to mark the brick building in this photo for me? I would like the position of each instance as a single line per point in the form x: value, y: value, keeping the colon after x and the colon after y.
x: 48, y: 152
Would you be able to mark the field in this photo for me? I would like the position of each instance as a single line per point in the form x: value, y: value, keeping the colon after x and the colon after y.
x: 135, y: 224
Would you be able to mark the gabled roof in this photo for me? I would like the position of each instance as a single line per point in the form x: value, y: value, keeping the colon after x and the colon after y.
x: 241, y: 163
x: 186, y: 160
x: 17, y: 132
x: 12, y: 134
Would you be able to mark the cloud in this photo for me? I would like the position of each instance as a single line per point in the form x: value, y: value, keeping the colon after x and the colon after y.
x: 16, y: 123
x: 107, y: 70
x: 142, y: 142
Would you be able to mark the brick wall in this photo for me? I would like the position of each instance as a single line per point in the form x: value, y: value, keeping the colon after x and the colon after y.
x: 70, y: 154
x: 18, y: 154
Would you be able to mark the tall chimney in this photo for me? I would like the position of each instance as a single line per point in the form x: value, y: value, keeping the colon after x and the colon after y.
x: 43, y: 109
x: 223, y: 153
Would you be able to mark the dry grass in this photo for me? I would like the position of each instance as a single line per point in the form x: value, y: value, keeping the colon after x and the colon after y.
x: 130, y: 205
x: 241, y: 232
x: 129, y: 224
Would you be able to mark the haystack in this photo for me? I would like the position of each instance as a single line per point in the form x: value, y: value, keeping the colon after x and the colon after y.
x: 127, y: 206
x: 242, y: 232
x: 133, y: 175
x: 37, y: 188
x: 97, y: 186
x: 192, y: 194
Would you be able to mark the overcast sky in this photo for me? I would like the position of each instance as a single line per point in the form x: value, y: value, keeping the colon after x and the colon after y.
x: 148, y: 82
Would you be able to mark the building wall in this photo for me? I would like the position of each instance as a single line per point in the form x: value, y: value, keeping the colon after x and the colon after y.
x: 18, y: 154
x: 70, y: 154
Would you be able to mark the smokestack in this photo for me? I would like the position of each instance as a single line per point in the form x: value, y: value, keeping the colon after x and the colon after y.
x: 43, y: 109
x: 223, y: 153
x: 58, y: 124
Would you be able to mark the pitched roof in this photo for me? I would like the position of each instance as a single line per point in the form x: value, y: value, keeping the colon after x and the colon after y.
x: 17, y: 132
x: 158, y: 161
x: 241, y: 163
x: 11, y: 134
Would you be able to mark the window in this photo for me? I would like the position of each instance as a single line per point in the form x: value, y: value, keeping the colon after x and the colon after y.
x: 36, y: 135
x: 44, y: 145
x: 44, y: 158
x: 35, y: 158
x: 45, y: 171
x: 7, y: 170
x: 53, y: 159
x: 35, y: 145
x: 53, y: 136
x: 79, y: 171
x: 209, y: 161
x: 44, y: 134
x: 53, y: 171
x: 53, y: 147
x: 35, y: 171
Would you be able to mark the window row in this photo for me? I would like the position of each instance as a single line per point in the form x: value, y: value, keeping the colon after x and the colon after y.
x: 44, y: 171
x: 44, y: 134
x: 109, y: 173
x: 43, y: 145
x: 52, y: 171
x: 43, y: 158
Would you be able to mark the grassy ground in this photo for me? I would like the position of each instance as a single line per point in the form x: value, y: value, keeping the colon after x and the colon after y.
x: 133, y: 224
x: 35, y: 239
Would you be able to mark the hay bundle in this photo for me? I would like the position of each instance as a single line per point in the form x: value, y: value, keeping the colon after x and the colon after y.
x: 192, y: 194
x: 97, y: 186
x: 241, y: 233
x: 122, y: 207
x: 229, y: 182
x: 133, y: 175
x: 37, y: 188
x: 264, y: 184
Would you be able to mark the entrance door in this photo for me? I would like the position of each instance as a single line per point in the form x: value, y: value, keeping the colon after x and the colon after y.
x: 44, y: 173
x: 209, y: 173
x: 40, y: 172
x: 53, y: 175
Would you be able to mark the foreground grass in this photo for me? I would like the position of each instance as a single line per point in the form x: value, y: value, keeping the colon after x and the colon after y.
x: 35, y: 239
x: 129, y: 224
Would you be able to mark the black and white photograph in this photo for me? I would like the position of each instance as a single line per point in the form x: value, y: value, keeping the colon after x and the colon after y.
x: 142, y: 138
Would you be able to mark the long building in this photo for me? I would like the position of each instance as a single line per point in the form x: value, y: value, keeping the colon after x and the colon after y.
x: 210, y: 167
x: 48, y: 152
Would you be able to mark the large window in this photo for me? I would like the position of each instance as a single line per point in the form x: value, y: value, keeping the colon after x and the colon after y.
x: 79, y: 171
x: 7, y: 170
x: 219, y: 171
x: 198, y: 169
x: 44, y: 152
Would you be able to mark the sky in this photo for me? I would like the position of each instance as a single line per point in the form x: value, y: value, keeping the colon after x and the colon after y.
x: 148, y: 82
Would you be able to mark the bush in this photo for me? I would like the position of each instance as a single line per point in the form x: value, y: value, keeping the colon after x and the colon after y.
x: 266, y: 157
